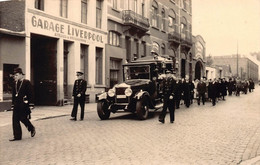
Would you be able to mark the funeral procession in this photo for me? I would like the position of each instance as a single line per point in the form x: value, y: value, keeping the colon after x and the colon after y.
x: 144, y: 82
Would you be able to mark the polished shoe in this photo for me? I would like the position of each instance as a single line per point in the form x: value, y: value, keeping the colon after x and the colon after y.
x: 74, y: 118
x: 33, y: 132
x: 172, y: 121
x: 162, y: 121
x: 14, y: 139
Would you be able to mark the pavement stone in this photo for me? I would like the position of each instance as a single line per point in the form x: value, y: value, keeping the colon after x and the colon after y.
x: 227, y: 133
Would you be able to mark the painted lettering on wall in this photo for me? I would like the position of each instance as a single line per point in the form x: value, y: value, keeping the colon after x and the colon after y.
x: 66, y: 31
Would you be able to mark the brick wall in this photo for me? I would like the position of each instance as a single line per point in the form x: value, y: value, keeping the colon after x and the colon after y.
x: 12, y: 15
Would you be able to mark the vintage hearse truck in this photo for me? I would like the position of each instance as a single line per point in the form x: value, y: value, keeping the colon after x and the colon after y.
x: 140, y: 90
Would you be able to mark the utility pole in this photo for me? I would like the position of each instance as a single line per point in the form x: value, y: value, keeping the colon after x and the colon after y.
x: 237, y: 60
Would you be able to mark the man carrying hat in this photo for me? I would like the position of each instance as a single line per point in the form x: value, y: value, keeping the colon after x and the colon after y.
x: 79, y: 89
x: 22, y: 104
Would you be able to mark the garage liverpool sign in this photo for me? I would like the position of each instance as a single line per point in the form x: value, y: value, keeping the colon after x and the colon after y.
x: 66, y: 31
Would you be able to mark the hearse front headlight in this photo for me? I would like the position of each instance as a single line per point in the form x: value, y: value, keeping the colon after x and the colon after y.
x: 111, y: 93
x: 128, y: 92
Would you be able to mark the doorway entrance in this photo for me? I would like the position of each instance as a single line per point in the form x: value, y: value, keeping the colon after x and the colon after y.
x: 44, y: 69
x: 198, y: 68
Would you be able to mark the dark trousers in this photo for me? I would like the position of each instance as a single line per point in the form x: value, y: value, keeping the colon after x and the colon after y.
x: 178, y: 103
x: 213, y: 101
x: 17, y: 130
x: 170, y: 104
x: 78, y: 101
x: 201, y: 96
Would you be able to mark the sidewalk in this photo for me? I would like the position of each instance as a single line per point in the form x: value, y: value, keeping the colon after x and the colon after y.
x: 46, y: 112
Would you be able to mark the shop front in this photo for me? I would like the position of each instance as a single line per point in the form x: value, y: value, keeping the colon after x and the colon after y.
x: 57, y: 49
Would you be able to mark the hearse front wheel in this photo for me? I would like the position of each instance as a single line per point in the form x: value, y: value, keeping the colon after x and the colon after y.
x: 142, y: 109
x: 102, y: 110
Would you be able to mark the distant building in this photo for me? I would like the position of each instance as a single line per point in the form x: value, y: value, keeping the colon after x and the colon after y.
x: 240, y: 66
x: 213, y: 72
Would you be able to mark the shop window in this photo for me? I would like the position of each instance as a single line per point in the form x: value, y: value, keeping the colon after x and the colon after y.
x: 64, y: 8
x: 163, y: 49
x: 143, y: 49
x: 98, y: 14
x: 84, y: 60
x: 114, y: 38
x: 39, y: 4
x: 99, y: 66
x: 84, y: 11
x: 8, y: 80
x: 114, y: 71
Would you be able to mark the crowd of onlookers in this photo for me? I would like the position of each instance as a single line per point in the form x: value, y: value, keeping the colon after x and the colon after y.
x: 211, y: 90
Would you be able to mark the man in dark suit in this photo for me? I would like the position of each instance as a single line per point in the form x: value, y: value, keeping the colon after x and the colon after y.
x: 22, y: 104
x: 186, y: 91
x: 169, y: 84
x: 79, y: 89
x: 201, y: 88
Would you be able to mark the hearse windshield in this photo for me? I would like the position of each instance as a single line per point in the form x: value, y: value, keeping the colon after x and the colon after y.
x: 136, y: 72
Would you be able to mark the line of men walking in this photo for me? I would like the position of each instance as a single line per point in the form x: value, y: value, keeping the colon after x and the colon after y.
x: 177, y: 89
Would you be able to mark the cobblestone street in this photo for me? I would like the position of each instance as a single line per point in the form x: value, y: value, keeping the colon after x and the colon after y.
x: 228, y: 133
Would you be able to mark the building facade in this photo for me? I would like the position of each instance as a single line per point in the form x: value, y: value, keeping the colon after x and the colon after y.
x: 240, y: 66
x: 137, y: 27
x: 50, y: 41
x: 199, y: 56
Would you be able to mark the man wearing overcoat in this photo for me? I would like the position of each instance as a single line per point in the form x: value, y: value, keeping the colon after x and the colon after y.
x: 169, y: 84
x: 79, y: 89
x: 22, y: 103
x: 201, y: 88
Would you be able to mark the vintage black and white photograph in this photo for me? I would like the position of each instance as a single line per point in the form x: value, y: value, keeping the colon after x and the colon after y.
x: 133, y: 82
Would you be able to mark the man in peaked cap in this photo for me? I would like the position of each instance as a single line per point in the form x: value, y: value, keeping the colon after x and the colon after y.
x: 79, y: 89
x: 169, y: 85
x: 22, y: 104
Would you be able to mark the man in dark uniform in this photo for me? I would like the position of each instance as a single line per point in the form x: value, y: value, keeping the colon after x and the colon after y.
x: 79, y: 89
x: 169, y: 84
x: 22, y: 104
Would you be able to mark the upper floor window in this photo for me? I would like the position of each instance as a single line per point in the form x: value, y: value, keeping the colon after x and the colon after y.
x: 163, y: 19
x: 114, y: 38
x: 172, y: 20
x: 155, y: 14
x: 143, y: 8
x: 184, y: 4
x: 64, y: 8
x: 183, y: 27
x: 114, y: 3
x: 84, y: 11
x: 98, y: 14
x: 135, y: 6
x: 39, y: 4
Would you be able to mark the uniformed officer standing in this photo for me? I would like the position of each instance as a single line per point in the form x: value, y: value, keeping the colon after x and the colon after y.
x: 79, y: 89
x: 22, y: 104
x: 169, y: 84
